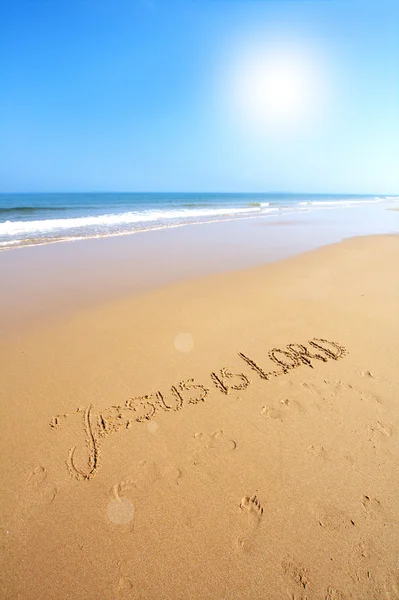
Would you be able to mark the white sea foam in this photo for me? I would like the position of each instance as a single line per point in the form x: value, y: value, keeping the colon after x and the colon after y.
x: 109, y: 220
x: 10, y: 242
x: 339, y: 203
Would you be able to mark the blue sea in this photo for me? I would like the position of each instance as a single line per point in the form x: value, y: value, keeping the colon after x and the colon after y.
x: 30, y: 219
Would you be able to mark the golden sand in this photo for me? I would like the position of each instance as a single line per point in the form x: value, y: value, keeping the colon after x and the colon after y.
x: 230, y: 437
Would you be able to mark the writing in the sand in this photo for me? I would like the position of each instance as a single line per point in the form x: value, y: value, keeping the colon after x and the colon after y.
x: 144, y: 408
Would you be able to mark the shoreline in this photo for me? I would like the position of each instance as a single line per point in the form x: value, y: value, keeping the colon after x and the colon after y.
x: 60, y: 278
x: 167, y: 216
x: 130, y: 233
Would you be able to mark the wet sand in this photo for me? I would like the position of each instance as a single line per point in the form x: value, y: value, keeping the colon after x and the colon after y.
x: 234, y: 435
x: 53, y: 281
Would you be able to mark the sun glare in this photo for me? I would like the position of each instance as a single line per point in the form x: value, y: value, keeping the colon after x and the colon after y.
x: 274, y: 90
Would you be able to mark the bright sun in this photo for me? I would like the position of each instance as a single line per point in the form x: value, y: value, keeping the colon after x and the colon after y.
x: 274, y: 91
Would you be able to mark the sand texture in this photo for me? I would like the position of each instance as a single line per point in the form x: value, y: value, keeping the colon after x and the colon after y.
x: 231, y: 437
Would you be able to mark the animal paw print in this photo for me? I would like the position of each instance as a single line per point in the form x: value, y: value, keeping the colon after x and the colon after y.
x: 41, y: 490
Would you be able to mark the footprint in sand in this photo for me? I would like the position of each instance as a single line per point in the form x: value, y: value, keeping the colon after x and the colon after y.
x: 332, y: 518
x: 272, y: 413
x: 213, y: 445
x: 334, y: 594
x: 172, y: 474
x: 349, y: 460
x: 328, y: 391
x: 125, y: 585
x: 318, y: 451
x: 41, y: 490
x: 373, y: 508
x: 368, y: 396
x: 322, y: 392
x: 381, y: 430
x: 391, y: 586
x: 120, y: 509
x: 145, y: 475
x: 252, y: 512
x: 367, y: 374
x: 299, y: 575
x: 284, y: 408
x: 363, y: 550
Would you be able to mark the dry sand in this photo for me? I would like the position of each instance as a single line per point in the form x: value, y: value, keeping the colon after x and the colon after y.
x: 144, y: 458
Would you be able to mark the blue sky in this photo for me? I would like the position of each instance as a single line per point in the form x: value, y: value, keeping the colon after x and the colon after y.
x: 141, y: 95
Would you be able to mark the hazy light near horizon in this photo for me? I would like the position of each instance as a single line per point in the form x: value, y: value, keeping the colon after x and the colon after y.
x: 277, y: 88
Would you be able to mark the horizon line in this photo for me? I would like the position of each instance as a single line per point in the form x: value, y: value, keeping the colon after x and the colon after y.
x: 203, y: 192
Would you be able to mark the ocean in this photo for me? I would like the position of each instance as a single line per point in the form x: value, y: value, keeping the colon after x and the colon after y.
x: 31, y: 219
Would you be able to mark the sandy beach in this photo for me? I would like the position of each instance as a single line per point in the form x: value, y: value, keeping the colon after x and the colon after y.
x: 199, y: 300
x: 233, y: 435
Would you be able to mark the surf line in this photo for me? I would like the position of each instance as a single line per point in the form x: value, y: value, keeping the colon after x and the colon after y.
x: 116, y: 417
